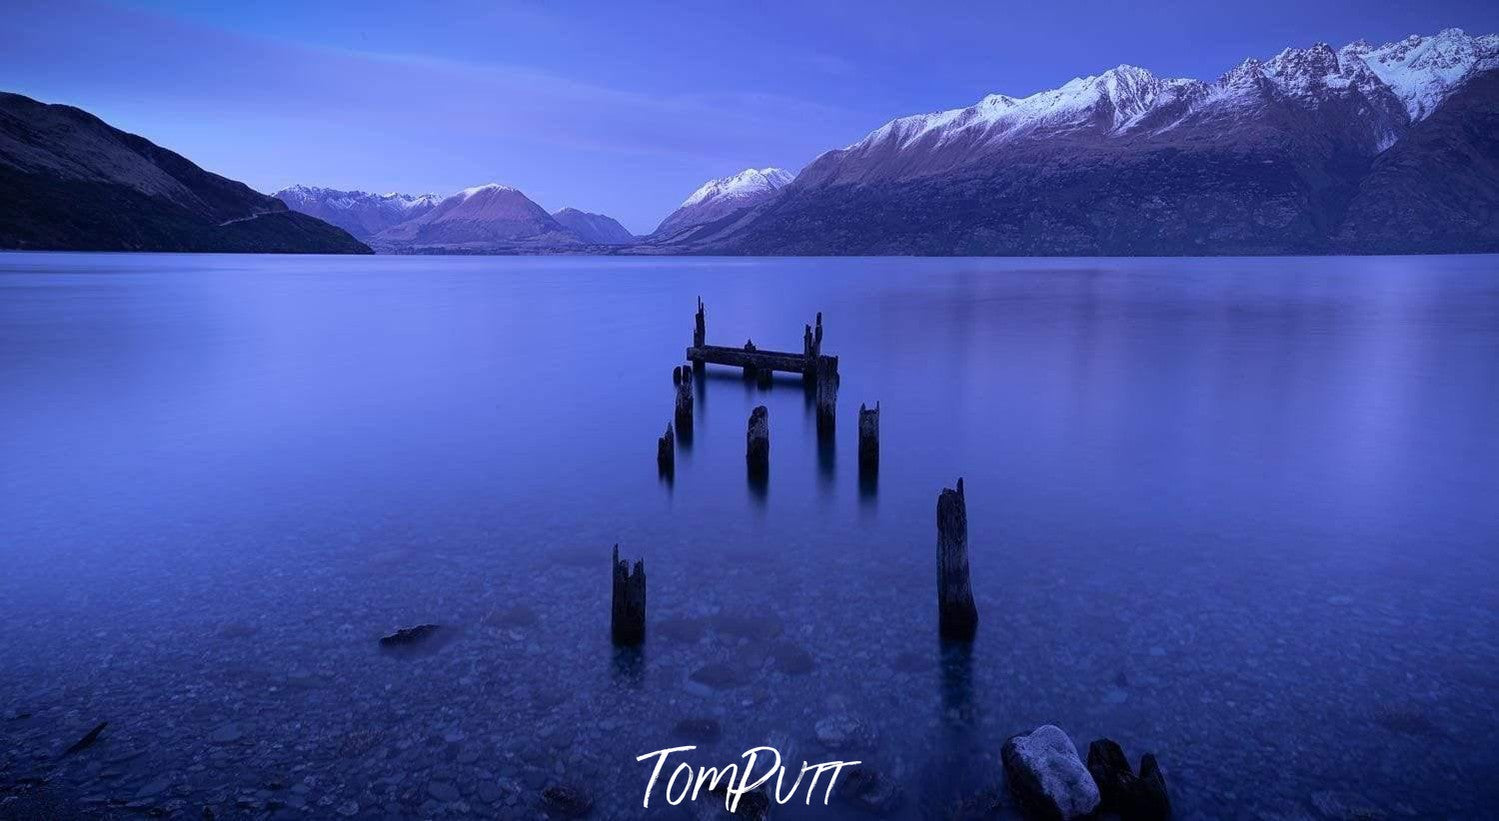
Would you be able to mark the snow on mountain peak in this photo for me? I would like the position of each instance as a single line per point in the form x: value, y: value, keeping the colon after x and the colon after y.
x: 1422, y: 70
x: 489, y: 186
x: 747, y: 183
x: 1418, y: 71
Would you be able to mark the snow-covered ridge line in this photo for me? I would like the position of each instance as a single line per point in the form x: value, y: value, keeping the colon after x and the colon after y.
x: 1418, y: 71
x: 749, y: 182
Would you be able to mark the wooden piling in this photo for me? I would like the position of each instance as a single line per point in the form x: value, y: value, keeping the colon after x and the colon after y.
x: 826, y: 388
x: 627, y: 621
x: 666, y: 451
x: 700, y: 327
x: 957, y: 616
x: 869, y: 437
x: 757, y: 440
x: 681, y: 376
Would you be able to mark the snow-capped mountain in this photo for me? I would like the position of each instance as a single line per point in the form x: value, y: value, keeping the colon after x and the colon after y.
x: 1267, y: 158
x: 490, y: 217
x: 358, y: 212
x: 723, y: 197
x: 594, y: 228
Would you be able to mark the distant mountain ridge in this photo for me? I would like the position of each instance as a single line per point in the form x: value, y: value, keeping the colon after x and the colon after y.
x: 360, y: 213
x: 595, y: 228
x: 73, y: 182
x: 720, y: 198
x: 1273, y: 157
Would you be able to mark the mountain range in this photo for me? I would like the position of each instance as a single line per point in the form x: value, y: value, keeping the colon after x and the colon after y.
x: 489, y: 218
x: 73, y: 182
x: 1361, y: 149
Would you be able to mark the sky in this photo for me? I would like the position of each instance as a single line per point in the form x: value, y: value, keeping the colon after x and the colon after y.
x: 622, y: 108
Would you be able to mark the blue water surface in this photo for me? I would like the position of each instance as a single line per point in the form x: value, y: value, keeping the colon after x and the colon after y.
x: 1241, y: 513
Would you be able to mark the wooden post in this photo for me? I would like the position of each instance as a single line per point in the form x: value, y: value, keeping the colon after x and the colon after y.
x: 757, y: 440
x: 869, y: 438
x: 700, y: 327
x: 956, y: 615
x: 627, y: 621
x: 681, y: 376
x: 817, y: 336
x: 827, y: 393
x: 666, y: 451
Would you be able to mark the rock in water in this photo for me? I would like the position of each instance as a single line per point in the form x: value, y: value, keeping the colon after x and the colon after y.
x: 627, y: 619
x: 1047, y: 777
x: 568, y: 802
x: 1151, y: 800
x: 1141, y: 798
x: 757, y: 440
x: 407, y: 636
x: 957, y: 616
x: 88, y: 739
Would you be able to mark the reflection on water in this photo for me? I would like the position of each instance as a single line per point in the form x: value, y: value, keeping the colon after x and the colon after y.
x: 1233, y: 512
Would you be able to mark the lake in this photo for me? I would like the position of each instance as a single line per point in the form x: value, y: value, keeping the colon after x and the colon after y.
x: 1240, y: 513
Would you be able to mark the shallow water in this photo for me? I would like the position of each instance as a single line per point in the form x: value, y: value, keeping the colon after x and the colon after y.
x: 1237, y: 512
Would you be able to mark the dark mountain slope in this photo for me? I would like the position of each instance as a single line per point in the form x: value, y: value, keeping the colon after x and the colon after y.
x: 73, y: 182
x: 1437, y: 190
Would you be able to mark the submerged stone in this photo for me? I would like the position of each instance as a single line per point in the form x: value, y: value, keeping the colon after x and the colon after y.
x: 1045, y: 774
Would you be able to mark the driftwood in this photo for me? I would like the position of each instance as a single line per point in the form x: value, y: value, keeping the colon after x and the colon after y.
x: 869, y: 438
x: 957, y: 616
x: 627, y: 619
x: 757, y: 440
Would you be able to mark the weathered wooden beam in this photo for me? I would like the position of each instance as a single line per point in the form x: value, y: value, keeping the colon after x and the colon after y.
x: 869, y: 437
x: 757, y: 440
x: 740, y: 358
x: 957, y: 616
x: 627, y: 620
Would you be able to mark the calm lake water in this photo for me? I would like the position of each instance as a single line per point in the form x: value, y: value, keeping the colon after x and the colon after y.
x: 1241, y: 513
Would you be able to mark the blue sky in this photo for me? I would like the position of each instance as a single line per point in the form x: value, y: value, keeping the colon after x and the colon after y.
x: 618, y: 107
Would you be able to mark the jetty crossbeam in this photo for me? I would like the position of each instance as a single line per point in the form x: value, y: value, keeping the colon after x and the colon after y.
x: 755, y: 360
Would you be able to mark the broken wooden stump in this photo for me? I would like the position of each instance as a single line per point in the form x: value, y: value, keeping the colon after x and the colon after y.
x: 627, y: 619
x: 869, y: 438
x: 757, y: 440
x: 826, y: 392
x: 956, y: 615
x: 666, y: 452
x: 700, y: 327
x: 681, y: 376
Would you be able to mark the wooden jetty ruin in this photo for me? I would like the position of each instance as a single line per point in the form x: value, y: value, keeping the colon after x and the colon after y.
x: 810, y: 363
